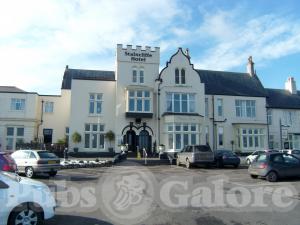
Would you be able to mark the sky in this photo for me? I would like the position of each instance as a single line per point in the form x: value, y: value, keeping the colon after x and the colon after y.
x: 38, y: 38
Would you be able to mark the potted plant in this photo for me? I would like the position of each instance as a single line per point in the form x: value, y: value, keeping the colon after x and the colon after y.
x: 76, y: 138
x: 110, y: 136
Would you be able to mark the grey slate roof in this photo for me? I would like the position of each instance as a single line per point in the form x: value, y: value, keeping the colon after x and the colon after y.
x: 231, y: 83
x: 282, y: 99
x: 11, y: 89
x: 85, y: 75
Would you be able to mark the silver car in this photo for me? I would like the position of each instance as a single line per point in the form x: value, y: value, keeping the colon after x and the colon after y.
x: 31, y: 162
x: 195, y: 155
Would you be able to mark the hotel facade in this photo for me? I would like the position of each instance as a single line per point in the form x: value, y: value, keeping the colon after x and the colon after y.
x: 146, y: 107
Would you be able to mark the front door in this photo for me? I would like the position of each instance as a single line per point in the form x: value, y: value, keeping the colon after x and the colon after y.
x: 130, y: 139
x: 47, y: 136
x: 145, y: 141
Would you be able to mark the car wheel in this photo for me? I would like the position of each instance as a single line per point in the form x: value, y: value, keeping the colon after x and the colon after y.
x: 188, y: 164
x: 272, y: 176
x: 177, y: 162
x: 26, y: 214
x: 29, y: 172
x: 52, y: 173
x: 253, y: 176
x: 248, y: 161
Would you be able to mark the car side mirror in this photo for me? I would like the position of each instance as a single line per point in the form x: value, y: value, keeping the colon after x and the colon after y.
x: 3, y: 185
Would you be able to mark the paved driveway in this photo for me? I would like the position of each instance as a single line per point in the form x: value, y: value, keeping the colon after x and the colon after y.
x: 161, y: 195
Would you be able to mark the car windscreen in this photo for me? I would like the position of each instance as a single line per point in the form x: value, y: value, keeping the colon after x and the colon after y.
x: 261, y: 158
x: 47, y: 155
x: 297, y: 152
x: 203, y: 148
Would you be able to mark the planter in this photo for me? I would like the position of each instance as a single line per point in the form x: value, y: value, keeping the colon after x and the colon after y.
x: 161, y: 148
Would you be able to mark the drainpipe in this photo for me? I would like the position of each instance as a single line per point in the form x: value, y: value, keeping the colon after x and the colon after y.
x: 159, y: 80
x: 268, y: 130
x: 213, y: 120
x: 41, y: 121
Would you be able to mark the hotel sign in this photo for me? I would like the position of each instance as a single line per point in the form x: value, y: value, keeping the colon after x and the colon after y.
x: 138, y: 57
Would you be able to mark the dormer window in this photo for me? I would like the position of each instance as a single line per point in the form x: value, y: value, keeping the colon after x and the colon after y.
x: 179, y: 77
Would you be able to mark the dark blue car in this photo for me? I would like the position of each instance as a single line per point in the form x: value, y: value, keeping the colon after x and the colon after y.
x: 226, y: 157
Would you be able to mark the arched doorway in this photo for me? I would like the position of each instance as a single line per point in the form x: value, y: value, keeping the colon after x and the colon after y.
x: 145, y: 141
x: 130, y: 139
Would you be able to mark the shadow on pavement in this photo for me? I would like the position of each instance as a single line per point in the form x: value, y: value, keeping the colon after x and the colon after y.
x: 75, y: 220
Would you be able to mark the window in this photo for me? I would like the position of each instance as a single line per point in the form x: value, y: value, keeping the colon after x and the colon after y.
x: 179, y: 78
x: 252, y: 138
x: 288, y: 117
x: 182, y: 134
x: 141, y: 76
x: 95, y: 106
x: 48, y: 107
x: 180, y: 102
x: 245, y: 108
x: 139, y: 101
x: 176, y: 76
x: 14, y: 136
x: 206, y: 107
x: 17, y: 104
x: 271, y: 141
x: 182, y: 76
x: 220, y: 106
x: 134, y: 75
x: 269, y: 116
x: 220, y: 136
x: 137, y: 75
x: 94, y: 136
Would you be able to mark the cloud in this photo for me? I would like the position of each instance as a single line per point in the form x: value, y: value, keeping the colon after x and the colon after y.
x: 266, y: 37
x: 38, y: 38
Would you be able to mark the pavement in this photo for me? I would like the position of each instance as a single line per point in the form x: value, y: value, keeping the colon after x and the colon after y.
x: 171, y: 195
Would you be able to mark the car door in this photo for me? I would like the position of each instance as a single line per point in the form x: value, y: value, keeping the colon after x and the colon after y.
x: 278, y: 164
x: 3, y: 196
x: 181, y: 155
x: 292, y: 165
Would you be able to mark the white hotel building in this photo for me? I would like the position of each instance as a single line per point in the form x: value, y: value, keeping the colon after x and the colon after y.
x: 145, y: 107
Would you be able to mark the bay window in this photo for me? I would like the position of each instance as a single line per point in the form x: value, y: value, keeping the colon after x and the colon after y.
x: 182, y: 134
x: 252, y: 138
x: 180, y: 102
x: 139, y: 101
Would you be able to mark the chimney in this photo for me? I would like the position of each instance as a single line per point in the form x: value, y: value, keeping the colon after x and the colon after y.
x: 290, y: 85
x: 67, y: 67
x: 250, y: 66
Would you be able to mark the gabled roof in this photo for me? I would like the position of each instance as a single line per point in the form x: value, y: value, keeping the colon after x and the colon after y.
x: 231, y: 83
x: 11, y: 89
x: 282, y: 99
x: 80, y: 74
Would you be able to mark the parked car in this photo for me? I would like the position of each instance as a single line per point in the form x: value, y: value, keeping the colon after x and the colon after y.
x: 31, y: 162
x: 294, y: 152
x: 7, y: 163
x: 273, y: 166
x: 195, y: 155
x: 24, y: 201
x: 251, y: 157
x: 226, y: 157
